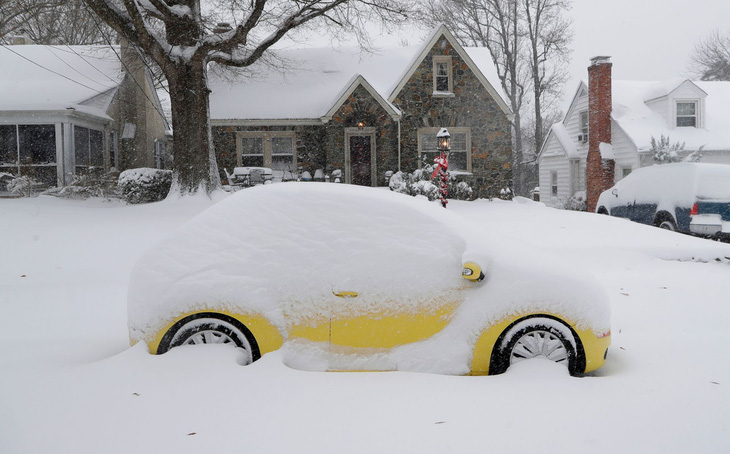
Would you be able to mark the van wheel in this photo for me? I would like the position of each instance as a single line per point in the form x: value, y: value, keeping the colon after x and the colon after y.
x: 665, y: 221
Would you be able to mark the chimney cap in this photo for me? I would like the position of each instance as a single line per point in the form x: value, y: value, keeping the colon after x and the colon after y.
x: 601, y: 59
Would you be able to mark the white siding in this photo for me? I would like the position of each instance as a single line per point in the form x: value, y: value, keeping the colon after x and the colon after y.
x: 625, y: 152
x: 572, y: 124
x: 560, y: 165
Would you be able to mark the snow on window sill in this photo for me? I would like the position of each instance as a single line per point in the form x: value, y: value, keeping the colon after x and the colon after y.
x: 442, y: 94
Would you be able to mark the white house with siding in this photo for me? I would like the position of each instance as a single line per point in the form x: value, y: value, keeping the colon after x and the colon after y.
x: 694, y: 113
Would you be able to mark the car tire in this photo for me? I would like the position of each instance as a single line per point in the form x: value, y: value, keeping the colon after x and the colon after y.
x: 602, y: 210
x: 211, y: 328
x: 538, y: 336
x: 665, y: 221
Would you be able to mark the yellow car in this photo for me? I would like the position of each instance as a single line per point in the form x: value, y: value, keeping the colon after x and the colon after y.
x: 350, y: 278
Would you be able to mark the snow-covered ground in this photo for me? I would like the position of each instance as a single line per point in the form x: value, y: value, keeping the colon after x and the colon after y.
x: 70, y: 383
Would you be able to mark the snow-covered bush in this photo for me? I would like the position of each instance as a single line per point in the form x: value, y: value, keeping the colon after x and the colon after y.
x: 23, y: 185
x: 145, y: 185
x: 419, y: 183
x: 94, y: 183
x: 664, y: 152
x: 577, y: 202
x: 506, y: 194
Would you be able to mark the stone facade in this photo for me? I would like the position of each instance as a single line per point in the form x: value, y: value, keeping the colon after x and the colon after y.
x: 308, y: 139
x: 470, y: 106
x: 467, y: 105
x: 362, y: 107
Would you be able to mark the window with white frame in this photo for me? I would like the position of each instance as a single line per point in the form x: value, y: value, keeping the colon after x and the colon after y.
x: 583, y: 137
x: 442, y: 80
x: 687, y: 114
x: 554, y: 182
x: 460, y: 154
x: 273, y: 149
x: 625, y: 171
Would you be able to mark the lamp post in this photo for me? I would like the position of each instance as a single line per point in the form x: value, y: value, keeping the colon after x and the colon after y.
x: 443, y: 138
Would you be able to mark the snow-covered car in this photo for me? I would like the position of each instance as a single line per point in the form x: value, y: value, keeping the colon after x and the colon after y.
x: 685, y: 197
x: 349, y: 278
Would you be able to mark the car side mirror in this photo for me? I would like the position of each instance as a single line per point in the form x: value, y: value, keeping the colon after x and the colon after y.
x: 615, y: 192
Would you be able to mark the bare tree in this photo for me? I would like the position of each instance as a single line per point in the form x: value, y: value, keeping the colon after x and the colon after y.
x: 14, y: 13
x: 528, y: 41
x: 494, y: 24
x: 710, y: 59
x: 548, y: 33
x: 183, y: 40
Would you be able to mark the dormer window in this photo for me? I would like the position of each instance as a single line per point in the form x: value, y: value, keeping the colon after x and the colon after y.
x: 442, y: 80
x: 687, y: 114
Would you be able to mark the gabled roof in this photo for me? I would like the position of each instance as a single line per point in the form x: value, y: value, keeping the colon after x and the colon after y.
x: 667, y: 87
x: 45, y: 78
x: 360, y: 81
x: 640, y: 122
x: 435, y: 35
x: 306, y: 84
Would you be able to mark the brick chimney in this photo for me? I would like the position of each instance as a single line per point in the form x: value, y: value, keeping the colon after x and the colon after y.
x: 599, y: 171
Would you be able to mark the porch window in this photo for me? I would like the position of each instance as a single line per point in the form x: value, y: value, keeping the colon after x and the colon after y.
x: 29, y: 150
x: 273, y: 149
x: 8, y: 145
x: 88, y: 148
x: 460, y: 155
x: 687, y: 114
x: 442, y: 80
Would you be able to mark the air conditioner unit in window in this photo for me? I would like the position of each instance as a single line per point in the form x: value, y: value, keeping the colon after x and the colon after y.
x: 582, y: 138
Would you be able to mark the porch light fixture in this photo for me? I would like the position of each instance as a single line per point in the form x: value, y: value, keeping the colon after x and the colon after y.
x: 440, y: 175
x: 444, y: 140
x: 360, y: 125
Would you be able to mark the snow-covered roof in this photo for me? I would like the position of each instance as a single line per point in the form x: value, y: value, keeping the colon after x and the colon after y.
x: 558, y: 129
x: 640, y: 122
x: 306, y: 83
x: 40, y: 78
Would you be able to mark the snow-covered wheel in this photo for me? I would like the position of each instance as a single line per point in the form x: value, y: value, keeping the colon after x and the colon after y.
x: 211, y: 328
x: 668, y: 225
x: 665, y: 221
x: 538, y: 336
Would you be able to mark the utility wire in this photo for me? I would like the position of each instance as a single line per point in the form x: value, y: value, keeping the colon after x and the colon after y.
x: 106, y: 38
x: 98, y: 92
x: 50, y: 70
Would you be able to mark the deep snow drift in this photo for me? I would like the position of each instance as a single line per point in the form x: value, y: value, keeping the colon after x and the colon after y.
x: 70, y: 383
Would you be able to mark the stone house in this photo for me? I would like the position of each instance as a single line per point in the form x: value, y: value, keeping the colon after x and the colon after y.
x: 365, y: 114
x: 67, y: 109
x: 607, y: 130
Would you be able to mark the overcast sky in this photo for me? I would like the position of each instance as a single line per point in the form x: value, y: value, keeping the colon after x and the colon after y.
x: 646, y: 39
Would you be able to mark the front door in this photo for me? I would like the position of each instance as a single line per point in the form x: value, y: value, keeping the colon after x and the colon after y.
x: 361, y: 160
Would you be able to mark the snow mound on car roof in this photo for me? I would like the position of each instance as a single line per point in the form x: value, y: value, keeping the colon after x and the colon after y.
x: 289, y: 247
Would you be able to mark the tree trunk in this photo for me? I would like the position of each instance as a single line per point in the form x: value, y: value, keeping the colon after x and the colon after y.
x: 194, y: 165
